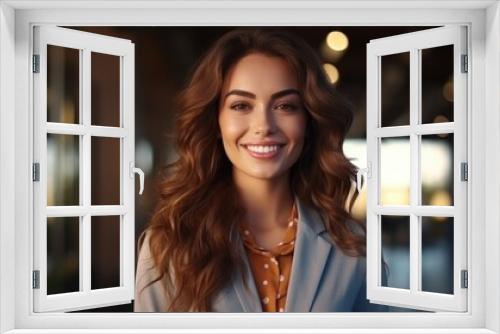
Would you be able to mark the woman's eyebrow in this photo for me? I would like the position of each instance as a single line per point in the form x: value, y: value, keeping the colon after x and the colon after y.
x: 285, y: 92
x: 276, y: 95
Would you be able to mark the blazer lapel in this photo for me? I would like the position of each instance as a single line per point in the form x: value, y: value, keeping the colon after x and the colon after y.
x: 248, y: 296
x: 309, y: 259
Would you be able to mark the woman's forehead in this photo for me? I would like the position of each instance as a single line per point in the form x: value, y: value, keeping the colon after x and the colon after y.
x: 260, y: 73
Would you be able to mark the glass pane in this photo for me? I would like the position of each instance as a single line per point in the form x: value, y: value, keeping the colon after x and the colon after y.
x: 105, y: 171
x: 396, y: 250
x: 395, y: 171
x: 437, y: 84
x: 105, y: 252
x: 437, y: 169
x: 105, y: 90
x: 395, y: 92
x: 63, y: 84
x: 63, y: 252
x: 437, y: 254
x: 63, y: 159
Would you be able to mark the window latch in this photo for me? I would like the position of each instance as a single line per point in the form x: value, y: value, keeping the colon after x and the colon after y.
x: 134, y: 170
x: 363, y: 173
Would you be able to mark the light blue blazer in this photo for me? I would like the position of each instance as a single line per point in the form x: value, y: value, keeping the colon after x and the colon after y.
x: 323, y: 278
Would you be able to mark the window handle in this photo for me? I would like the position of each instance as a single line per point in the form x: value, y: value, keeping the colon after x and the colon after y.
x: 136, y: 170
x: 362, y: 173
x: 359, y: 177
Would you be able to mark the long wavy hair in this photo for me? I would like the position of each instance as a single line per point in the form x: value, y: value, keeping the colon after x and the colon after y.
x: 193, y: 235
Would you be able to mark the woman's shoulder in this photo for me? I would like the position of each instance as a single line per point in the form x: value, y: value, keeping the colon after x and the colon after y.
x: 356, y: 227
x: 353, y: 227
x: 149, y: 292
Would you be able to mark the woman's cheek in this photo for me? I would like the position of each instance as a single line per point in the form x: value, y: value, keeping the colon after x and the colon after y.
x: 297, y: 129
x: 232, y: 129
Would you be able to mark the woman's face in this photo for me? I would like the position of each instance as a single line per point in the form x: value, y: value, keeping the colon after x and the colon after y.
x: 261, y: 117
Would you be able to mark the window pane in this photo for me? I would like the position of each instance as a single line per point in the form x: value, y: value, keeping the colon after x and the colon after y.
x: 395, y: 171
x: 63, y: 244
x: 437, y: 84
x: 105, y: 90
x: 395, y: 90
x: 105, y: 252
x: 63, y: 84
x: 437, y: 169
x: 396, y: 250
x: 105, y: 171
x: 437, y: 254
x: 63, y: 169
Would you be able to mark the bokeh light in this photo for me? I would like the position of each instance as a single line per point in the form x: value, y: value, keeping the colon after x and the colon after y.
x: 332, y: 72
x: 448, y: 90
x: 337, y: 40
x: 441, y: 119
x: 441, y: 198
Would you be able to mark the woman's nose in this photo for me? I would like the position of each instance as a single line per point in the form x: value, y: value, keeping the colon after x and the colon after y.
x: 263, y: 121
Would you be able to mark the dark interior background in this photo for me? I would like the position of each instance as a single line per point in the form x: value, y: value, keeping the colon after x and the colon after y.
x: 164, y: 57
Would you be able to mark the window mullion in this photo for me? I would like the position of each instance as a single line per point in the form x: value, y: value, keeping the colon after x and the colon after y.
x: 415, y: 244
x: 85, y: 242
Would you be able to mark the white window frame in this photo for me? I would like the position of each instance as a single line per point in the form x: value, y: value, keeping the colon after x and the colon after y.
x: 86, y: 43
x: 413, y: 44
x: 16, y: 214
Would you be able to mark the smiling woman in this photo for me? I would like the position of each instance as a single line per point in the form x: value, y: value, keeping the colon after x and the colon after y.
x: 255, y: 213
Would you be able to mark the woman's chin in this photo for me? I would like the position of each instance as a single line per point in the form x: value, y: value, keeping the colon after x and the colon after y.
x: 264, y: 174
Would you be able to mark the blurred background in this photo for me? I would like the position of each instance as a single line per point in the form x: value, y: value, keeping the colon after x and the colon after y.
x: 164, y: 57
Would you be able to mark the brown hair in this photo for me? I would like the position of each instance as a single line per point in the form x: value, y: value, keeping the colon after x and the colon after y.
x: 193, y: 235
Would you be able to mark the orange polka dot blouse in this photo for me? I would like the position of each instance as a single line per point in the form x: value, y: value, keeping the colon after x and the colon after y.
x: 272, y: 267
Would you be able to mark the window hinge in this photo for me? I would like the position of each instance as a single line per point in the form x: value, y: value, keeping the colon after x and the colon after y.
x: 36, y: 171
x: 465, y: 66
x: 464, y: 171
x: 36, y: 279
x: 464, y: 279
x: 36, y: 63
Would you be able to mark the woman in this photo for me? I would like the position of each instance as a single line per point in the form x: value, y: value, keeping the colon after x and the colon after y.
x: 254, y: 214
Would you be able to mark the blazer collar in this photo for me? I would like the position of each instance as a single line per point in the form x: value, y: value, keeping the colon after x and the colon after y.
x: 247, y: 295
x: 312, y: 248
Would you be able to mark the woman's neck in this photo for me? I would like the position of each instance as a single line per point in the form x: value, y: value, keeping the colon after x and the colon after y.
x: 268, y: 202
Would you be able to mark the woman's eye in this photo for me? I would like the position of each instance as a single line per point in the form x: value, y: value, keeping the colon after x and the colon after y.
x: 286, y: 106
x: 240, y: 106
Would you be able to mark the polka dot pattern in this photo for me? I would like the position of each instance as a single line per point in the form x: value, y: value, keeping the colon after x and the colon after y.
x: 272, y: 267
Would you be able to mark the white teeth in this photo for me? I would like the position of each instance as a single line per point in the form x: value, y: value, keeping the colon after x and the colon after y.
x: 262, y: 149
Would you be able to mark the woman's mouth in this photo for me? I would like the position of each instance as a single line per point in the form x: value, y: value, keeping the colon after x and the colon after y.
x: 264, y: 151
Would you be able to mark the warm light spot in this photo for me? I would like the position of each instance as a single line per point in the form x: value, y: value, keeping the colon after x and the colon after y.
x: 436, y: 165
x: 440, y: 119
x: 395, y: 195
x: 332, y: 72
x: 395, y: 171
x: 448, y: 91
x: 441, y: 198
x: 440, y: 219
x: 68, y: 112
x: 337, y: 41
